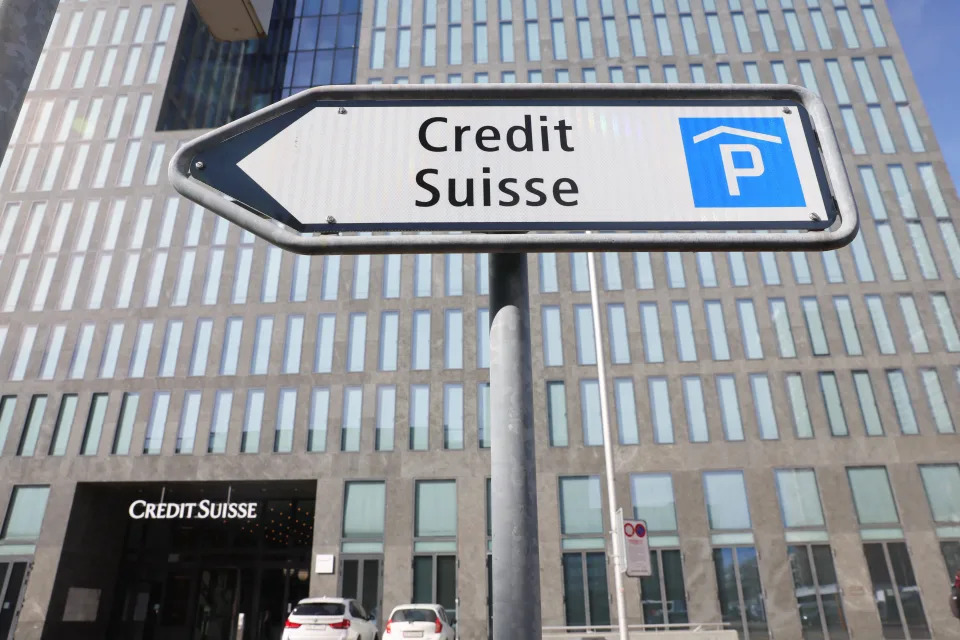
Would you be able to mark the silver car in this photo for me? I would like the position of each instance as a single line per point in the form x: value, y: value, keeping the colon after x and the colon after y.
x: 329, y: 619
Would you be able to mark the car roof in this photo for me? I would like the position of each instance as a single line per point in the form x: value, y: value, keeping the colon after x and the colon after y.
x: 322, y: 599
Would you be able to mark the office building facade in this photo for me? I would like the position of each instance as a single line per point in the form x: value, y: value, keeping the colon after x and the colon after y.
x: 198, y: 428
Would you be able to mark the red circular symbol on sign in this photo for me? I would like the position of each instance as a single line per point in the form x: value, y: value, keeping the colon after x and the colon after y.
x: 628, y: 529
x: 640, y: 530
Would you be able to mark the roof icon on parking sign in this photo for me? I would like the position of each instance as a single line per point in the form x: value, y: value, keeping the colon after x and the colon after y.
x: 706, y: 135
x: 740, y: 162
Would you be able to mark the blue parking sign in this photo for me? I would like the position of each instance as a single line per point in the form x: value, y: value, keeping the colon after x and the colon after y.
x: 740, y: 162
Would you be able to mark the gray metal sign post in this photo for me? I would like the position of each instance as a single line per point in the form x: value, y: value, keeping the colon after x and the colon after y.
x: 513, y: 475
x: 654, y: 161
x: 24, y: 25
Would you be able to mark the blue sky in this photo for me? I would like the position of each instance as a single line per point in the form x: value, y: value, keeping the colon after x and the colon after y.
x: 929, y: 31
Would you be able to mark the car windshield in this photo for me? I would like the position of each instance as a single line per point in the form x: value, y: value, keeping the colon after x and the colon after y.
x: 318, y: 609
x: 414, y: 615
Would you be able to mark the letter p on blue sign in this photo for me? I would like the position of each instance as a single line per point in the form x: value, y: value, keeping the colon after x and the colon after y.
x: 740, y: 162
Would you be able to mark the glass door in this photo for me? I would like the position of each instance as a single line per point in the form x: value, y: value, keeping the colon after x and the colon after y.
x: 662, y: 593
x: 817, y: 592
x: 741, y: 596
x: 895, y: 591
x: 361, y: 578
x: 217, y: 601
x: 585, y: 589
x: 13, y: 580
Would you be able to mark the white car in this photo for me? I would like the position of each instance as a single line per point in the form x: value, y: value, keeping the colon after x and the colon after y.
x: 421, y: 621
x: 329, y: 619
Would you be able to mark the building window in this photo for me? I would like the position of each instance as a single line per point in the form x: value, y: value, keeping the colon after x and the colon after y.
x: 881, y: 327
x: 729, y: 407
x: 31, y: 428
x: 814, y: 576
x: 661, y: 418
x: 453, y: 339
x: 552, y: 338
x: 590, y: 413
x: 683, y: 325
x: 303, y: 46
x: 319, y: 419
x: 663, y: 592
x: 902, y: 402
x: 848, y: 325
x: 189, y: 414
x: 153, y: 439
x: 938, y: 403
x: 389, y: 339
x: 67, y: 413
x: 767, y: 30
x: 420, y: 359
x: 583, y: 558
x: 483, y: 415
x: 253, y: 420
x: 556, y: 414
x: 752, y: 347
x: 583, y: 326
x: 419, y: 417
x: 286, y: 420
x: 650, y: 324
x: 798, y: 406
x: 884, y: 551
x: 717, y: 329
x: 696, y: 411
x: 780, y: 318
x: 350, y: 427
x: 261, y: 346
x: 364, y: 511
x: 219, y: 423
x: 643, y: 271
x: 662, y: 28
x: 833, y: 403
x: 453, y: 416
x: 945, y: 319
x: 386, y: 417
x: 635, y: 24
x: 626, y: 408
x: 942, y: 485
x: 94, y: 427
x: 737, y: 573
x: 435, y: 544
x: 24, y: 519
x: 911, y: 319
x: 868, y: 403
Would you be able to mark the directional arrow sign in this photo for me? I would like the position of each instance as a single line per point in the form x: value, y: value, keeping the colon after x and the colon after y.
x: 538, y: 158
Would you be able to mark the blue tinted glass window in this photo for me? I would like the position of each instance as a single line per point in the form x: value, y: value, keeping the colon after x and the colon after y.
x: 729, y: 407
x: 619, y: 338
x: 583, y: 324
x: 661, y: 418
x: 763, y: 402
x: 626, y: 408
x: 650, y: 323
x: 696, y: 410
x: 590, y: 413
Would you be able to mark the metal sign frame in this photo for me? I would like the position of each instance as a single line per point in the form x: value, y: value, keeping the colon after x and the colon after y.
x: 187, y: 167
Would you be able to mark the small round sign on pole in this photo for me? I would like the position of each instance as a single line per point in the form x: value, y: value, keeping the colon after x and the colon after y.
x: 628, y: 530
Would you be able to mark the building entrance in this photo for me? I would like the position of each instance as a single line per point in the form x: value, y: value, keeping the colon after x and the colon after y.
x: 181, y: 573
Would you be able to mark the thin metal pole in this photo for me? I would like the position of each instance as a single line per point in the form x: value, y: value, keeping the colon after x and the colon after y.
x: 24, y: 25
x: 607, y: 449
x: 513, y: 484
